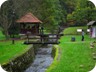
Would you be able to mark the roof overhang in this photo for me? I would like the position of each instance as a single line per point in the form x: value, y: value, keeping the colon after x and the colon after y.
x: 29, y: 18
x: 91, y: 23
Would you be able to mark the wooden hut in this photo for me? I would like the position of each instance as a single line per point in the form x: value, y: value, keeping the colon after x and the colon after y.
x: 92, y: 27
x: 29, y: 23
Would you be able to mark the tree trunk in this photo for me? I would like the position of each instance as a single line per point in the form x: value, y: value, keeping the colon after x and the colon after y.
x: 6, y: 33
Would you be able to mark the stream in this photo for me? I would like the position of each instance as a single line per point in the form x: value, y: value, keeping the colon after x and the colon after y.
x: 42, y: 61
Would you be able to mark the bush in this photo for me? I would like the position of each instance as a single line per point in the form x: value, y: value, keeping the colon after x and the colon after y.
x: 73, y: 30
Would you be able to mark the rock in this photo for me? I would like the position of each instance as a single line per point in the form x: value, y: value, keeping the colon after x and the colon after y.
x: 81, y: 66
x: 94, y: 54
x: 92, y: 45
x: 94, y: 42
x: 94, y: 57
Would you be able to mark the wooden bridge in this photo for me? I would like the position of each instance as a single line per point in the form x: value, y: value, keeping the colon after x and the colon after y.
x: 43, y: 39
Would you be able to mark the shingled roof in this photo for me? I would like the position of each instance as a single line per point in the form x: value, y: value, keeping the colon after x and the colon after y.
x: 28, y: 18
x: 91, y: 23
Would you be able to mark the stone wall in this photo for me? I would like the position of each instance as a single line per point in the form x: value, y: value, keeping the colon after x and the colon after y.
x: 53, y: 52
x: 22, y: 62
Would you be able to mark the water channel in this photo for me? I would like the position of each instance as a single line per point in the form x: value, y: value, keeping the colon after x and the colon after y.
x: 43, y: 60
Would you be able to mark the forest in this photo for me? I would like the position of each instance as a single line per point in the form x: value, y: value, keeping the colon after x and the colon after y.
x: 52, y: 13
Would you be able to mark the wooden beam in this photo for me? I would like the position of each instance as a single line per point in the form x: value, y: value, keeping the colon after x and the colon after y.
x: 40, y: 42
x: 45, y: 34
x: 46, y: 38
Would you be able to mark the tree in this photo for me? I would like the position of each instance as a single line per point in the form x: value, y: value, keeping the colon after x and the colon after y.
x: 49, y: 11
x: 4, y: 19
x: 6, y: 12
x: 83, y: 13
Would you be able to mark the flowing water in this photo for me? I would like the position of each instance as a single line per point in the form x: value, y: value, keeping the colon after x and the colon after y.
x: 43, y: 60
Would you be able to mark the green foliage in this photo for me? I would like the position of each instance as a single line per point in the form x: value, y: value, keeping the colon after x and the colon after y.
x: 51, y: 12
x: 82, y: 4
x: 68, y: 5
x: 73, y: 55
x: 48, y: 11
x: 85, y: 11
x: 73, y: 30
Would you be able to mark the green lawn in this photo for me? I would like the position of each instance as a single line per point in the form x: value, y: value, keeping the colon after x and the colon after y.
x: 73, y: 30
x: 75, y: 56
x: 8, y: 51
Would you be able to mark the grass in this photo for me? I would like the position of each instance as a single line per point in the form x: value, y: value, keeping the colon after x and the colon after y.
x: 73, y: 30
x: 8, y: 51
x: 75, y: 56
x: 55, y: 59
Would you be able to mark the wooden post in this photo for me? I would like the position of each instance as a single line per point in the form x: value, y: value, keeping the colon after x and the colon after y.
x: 27, y: 36
x: 13, y: 42
x: 13, y: 22
x: 42, y: 33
